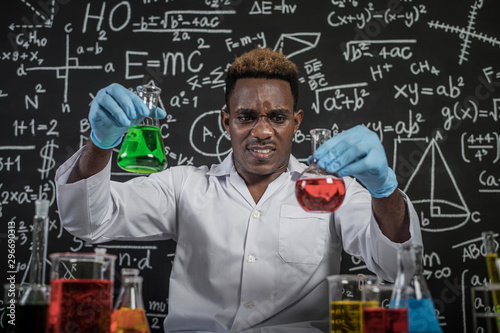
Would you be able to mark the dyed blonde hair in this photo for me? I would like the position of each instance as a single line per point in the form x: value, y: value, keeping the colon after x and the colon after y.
x: 263, y: 63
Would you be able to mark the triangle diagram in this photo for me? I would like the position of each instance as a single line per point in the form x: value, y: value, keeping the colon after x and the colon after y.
x: 435, y: 194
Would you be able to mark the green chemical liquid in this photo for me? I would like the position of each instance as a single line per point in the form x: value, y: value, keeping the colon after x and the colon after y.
x: 142, y: 150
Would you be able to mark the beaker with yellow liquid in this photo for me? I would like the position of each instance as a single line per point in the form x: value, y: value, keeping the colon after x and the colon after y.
x: 347, y: 303
x: 143, y: 150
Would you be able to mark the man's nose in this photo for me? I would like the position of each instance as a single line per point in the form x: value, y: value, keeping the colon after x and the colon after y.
x: 263, y: 128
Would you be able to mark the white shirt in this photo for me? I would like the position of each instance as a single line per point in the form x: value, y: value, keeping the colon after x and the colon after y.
x: 239, y: 265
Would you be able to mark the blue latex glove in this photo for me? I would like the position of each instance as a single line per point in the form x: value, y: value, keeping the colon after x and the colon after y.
x: 358, y: 152
x: 113, y: 110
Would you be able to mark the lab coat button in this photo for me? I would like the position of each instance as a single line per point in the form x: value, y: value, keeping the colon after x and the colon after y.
x: 251, y: 258
x: 256, y: 214
x: 248, y: 305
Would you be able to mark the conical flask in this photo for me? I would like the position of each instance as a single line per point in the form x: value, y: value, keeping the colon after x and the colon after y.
x: 411, y: 291
x: 143, y: 150
x: 316, y: 190
x: 129, y: 315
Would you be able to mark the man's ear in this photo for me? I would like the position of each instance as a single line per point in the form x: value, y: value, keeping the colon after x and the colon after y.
x: 298, y: 116
x: 224, y: 114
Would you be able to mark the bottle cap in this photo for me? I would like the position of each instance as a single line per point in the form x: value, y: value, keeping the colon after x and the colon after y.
x: 100, y: 251
x: 42, y: 207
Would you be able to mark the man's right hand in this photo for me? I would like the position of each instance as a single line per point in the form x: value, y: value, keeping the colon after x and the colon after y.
x: 112, y: 112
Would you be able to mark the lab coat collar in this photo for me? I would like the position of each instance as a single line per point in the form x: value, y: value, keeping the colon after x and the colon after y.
x: 226, y: 167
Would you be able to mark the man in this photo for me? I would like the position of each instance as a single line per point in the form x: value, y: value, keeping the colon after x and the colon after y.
x: 248, y: 258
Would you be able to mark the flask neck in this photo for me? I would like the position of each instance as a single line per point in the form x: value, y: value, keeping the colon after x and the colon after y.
x: 406, y: 266
x: 133, y: 296
x: 410, y: 272
x: 150, y: 95
x: 318, y: 137
x: 489, y: 242
x: 39, y: 250
x: 131, y: 293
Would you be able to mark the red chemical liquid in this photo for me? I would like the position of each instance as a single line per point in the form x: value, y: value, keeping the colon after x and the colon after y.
x: 320, y: 194
x: 80, y: 305
x: 396, y: 320
x: 382, y: 320
x: 373, y: 320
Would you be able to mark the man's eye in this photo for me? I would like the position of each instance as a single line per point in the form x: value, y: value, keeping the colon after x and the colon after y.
x: 245, y: 118
x: 278, y: 119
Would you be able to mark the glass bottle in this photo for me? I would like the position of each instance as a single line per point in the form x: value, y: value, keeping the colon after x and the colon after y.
x: 317, y: 190
x: 143, y: 150
x: 493, y: 273
x: 129, y: 315
x: 411, y: 292
x: 34, y: 302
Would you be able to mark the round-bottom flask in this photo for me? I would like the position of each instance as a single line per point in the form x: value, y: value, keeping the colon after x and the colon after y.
x: 317, y: 190
x: 143, y: 150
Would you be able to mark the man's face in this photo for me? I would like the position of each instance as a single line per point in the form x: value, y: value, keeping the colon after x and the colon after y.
x: 261, y: 123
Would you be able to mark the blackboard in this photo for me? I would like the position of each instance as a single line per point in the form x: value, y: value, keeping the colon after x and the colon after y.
x: 424, y: 75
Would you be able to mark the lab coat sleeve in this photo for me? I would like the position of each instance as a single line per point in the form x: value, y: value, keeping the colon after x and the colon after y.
x: 362, y: 237
x: 99, y: 210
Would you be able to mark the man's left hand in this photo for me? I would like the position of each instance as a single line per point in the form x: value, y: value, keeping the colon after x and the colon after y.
x: 358, y: 152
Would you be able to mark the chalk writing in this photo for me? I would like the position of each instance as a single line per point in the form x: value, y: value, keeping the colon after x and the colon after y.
x: 422, y: 75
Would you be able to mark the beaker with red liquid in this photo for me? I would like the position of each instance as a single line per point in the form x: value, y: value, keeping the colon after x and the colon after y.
x: 81, y: 292
x: 378, y: 317
x: 384, y: 320
x: 317, y: 190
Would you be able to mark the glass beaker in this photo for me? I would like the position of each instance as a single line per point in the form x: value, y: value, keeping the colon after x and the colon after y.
x: 345, y: 294
x: 317, y: 190
x: 143, y: 150
x: 81, y: 292
x: 377, y: 316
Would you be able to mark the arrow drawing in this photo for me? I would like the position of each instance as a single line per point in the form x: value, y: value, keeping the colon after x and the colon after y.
x: 47, y: 21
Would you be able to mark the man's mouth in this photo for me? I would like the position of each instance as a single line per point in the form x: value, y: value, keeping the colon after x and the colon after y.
x: 261, y: 152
